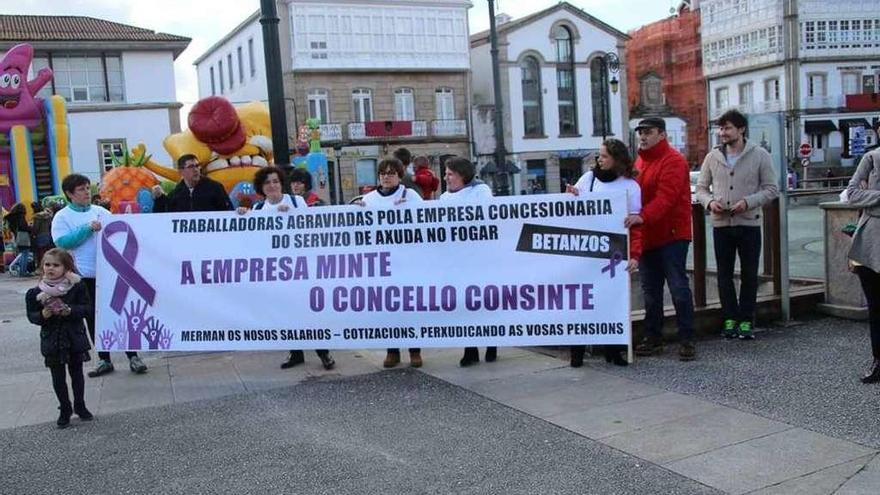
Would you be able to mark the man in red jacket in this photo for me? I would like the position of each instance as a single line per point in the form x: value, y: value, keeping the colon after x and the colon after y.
x: 666, y: 215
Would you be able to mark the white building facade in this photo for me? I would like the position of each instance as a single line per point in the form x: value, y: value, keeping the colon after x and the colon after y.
x: 827, y: 86
x: 234, y: 67
x: 557, y: 102
x: 118, y: 81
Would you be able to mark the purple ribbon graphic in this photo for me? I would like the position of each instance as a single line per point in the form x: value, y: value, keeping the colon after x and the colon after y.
x: 612, y: 263
x: 124, y: 265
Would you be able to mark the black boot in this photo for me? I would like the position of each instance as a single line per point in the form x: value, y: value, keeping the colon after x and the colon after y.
x: 64, y: 417
x: 293, y: 359
x: 326, y: 359
x: 83, y: 413
x: 614, y: 354
x: 471, y: 356
x: 577, y: 355
x: 873, y: 375
x: 491, y: 354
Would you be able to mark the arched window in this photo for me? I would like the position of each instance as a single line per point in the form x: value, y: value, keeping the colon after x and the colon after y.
x: 600, y: 98
x: 565, y: 83
x: 533, y: 122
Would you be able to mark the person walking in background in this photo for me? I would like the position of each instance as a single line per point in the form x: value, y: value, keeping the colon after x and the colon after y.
x: 736, y: 181
x: 42, y: 230
x: 75, y: 228
x: 614, y: 171
x: 462, y: 185
x: 17, y: 222
x: 424, y: 177
x: 58, y: 305
x: 666, y: 215
x: 405, y: 157
x: 863, y: 191
x: 390, y: 194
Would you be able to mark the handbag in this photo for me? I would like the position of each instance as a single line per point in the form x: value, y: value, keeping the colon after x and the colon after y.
x: 23, y: 239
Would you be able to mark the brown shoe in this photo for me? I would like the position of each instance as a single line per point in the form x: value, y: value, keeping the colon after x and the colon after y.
x: 392, y: 359
x: 415, y: 359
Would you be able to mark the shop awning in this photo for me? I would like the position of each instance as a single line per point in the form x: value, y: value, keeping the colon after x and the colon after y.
x: 819, y: 126
x: 853, y: 123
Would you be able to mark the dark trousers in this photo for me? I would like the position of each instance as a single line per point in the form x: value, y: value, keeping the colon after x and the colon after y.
x: 77, y: 382
x: 411, y: 350
x: 871, y: 286
x: 745, y: 242
x: 667, y: 264
x: 90, y: 319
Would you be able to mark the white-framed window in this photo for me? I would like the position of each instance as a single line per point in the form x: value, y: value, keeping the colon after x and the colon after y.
x: 404, y: 104
x: 362, y: 102
x: 745, y: 96
x: 771, y: 89
x: 81, y: 77
x: 816, y: 85
x: 319, y: 105
x: 231, y: 76
x: 533, y: 115
x: 318, y: 49
x: 565, y: 81
x: 40, y: 62
x: 220, y: 73
x: 240, y: 65
x: 107, y: 149
x: 850, y: 82
x: 251, y: 58
x: 213, y: 85
x: 444, y: 102
x: 722, y: 98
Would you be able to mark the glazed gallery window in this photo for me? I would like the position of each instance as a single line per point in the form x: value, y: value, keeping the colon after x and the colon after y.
x: 533, y: 122
x: 81, y: 78
x: 319, y: 105
x: 444, y: 102
x: 362, y: 102
x: 404, y: 104
x: 565, y: 82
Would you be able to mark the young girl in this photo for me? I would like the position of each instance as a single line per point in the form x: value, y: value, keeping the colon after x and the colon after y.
x: 59, y: 304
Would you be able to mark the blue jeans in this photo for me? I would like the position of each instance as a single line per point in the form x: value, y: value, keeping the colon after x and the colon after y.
x: 667, y: 264
x: 745, y: 241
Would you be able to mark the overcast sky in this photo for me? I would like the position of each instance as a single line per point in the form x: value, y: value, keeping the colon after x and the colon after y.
x: 206, y: 21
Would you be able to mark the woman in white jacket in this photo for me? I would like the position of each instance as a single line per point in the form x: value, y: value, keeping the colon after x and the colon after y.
x: 389, y: 194
x: 461, y: 185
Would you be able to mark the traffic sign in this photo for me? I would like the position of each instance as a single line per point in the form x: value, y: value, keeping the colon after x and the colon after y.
x: 805, y: 162
x: 806, y: 149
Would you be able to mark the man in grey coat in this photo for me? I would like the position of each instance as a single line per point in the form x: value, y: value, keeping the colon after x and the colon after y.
x: 864, y: 192
x: 736, y: 181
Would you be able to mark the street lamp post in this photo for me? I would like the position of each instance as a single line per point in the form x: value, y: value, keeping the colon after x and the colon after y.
x: 608, y: 62
x: 274, y: 80
x: 502, y: 171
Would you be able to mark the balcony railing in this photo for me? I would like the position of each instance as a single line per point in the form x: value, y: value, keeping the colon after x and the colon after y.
x: 863, y: 102
x: 331, y: 132
x: 448, y: 128
x: 813, y: 102
x: 358, y: 131
x: 770, y: 106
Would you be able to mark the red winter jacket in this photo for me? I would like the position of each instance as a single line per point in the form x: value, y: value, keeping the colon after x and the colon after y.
x: 427, y: 182
x: 666, y: 196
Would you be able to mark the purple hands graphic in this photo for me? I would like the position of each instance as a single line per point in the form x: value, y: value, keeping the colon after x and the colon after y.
x: 128, y: 331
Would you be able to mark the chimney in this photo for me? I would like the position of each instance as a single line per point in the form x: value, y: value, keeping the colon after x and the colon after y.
x: 502, y: 18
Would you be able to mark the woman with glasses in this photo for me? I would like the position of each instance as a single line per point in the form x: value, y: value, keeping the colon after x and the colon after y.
x: 391, y: 193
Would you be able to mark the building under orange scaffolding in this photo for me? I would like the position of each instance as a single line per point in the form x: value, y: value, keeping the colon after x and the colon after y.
x: 665, y: 76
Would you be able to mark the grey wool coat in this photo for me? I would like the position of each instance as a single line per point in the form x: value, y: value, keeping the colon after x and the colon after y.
x: 866, y: 241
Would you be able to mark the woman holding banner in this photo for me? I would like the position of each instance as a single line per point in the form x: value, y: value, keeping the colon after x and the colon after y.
x: 390, y: 194
x: 269, y: 183
x: 462, y: 185
x: 614, y: 171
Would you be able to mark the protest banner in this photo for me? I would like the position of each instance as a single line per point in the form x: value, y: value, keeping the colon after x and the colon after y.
x: 536, y: 270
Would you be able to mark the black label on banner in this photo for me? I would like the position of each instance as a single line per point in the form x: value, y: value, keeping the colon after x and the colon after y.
x: 571, y: 242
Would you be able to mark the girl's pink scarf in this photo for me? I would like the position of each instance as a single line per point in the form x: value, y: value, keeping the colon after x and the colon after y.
x: 54, y: 288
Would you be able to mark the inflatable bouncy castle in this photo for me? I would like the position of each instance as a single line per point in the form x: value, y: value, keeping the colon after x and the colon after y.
x: 34, y: 134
